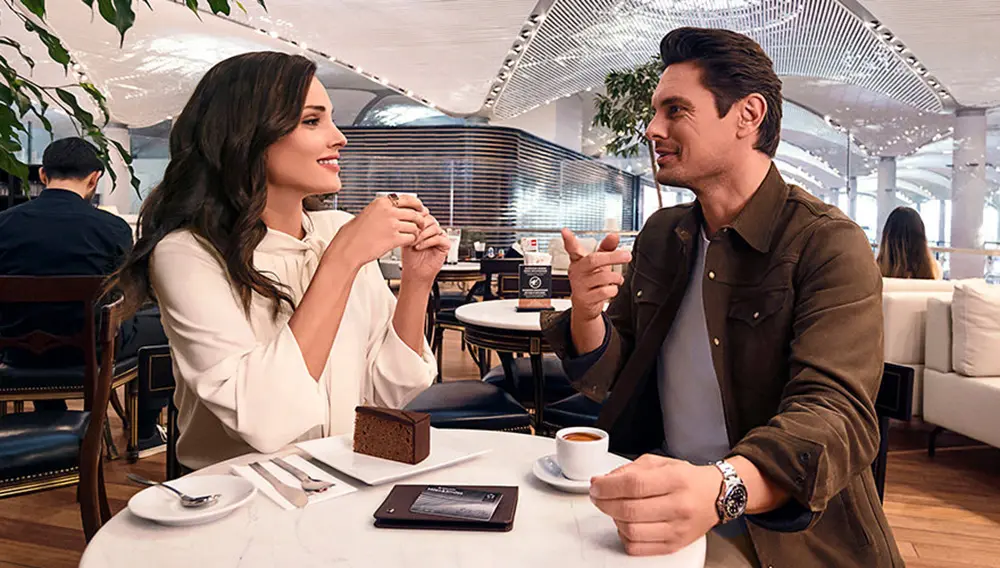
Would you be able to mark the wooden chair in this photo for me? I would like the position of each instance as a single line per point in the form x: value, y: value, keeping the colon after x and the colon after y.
x: 45, y: 450
x: 156, y: 376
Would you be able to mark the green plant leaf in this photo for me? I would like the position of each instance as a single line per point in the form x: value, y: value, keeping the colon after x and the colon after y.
x: 84, y: 118
x: 241, y: 6
x: 219, y: 6
x: 98, y: 98
x: 36, y: 7
x: 7, y: 41
x: 9, y: 163
x: 107, y: 10
x: 57, y: 52
x: 89, y: 3
x: 262, y: 5
x: 125, y: 19
x: 193, y: 6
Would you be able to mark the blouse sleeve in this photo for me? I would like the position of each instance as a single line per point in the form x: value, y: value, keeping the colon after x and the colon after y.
x: 396, y: 373
x: 261, y: 391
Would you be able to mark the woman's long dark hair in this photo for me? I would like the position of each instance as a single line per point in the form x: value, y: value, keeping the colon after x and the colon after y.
x: 903, y: 252
x: 216, y: 182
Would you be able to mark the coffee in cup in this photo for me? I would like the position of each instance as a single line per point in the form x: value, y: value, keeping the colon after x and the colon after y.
x: 582, y: 452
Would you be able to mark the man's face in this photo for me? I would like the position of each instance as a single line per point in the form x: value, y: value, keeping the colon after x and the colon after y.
x: 692, y: 142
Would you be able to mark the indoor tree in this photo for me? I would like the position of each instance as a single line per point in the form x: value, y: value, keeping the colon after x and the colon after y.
x: 22, y: 96
x: 626, y: 109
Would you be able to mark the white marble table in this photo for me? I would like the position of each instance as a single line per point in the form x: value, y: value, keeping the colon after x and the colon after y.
x: 497, y: 325
x: 503, y: 314
x: 551, y: 528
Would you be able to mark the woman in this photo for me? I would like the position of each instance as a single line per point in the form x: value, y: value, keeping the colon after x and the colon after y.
x: 904, y: 252
x: 279, y: 320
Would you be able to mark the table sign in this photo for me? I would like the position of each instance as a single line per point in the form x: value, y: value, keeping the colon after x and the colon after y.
x: 535, y: 290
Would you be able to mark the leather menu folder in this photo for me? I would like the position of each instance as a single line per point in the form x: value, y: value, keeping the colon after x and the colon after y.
x: 394, y: 512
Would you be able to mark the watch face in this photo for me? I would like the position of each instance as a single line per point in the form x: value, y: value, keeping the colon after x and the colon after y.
x: 736, y: 502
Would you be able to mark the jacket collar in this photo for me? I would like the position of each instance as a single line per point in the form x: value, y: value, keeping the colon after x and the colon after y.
x: 755, y: 223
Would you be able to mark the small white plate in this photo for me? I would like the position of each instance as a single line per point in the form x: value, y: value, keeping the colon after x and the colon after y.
x: 547, y: 470
x: 338, y: 453
x: 161, y: 506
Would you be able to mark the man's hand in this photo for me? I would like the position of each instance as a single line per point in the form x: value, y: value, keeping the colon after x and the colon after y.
x: 660, y: 505
x: 593, y: 284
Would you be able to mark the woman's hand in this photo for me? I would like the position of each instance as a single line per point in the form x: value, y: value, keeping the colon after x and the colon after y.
x: 424, y: 258
x: 385, y: 224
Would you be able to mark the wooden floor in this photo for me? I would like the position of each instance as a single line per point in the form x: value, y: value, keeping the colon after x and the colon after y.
x: 944, y: 512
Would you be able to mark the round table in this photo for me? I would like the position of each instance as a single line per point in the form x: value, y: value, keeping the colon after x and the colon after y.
x: 497, y: 325
x: 551, y: 528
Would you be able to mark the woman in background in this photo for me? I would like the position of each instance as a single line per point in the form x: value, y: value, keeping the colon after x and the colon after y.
x: 278, y: 318
x: 904, y: 252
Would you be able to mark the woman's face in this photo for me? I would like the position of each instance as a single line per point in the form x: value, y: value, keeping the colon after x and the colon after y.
x: 306, y: 160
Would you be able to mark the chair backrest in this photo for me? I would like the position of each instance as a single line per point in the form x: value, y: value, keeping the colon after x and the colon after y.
x: 84, y: 290
x: 94, y: 508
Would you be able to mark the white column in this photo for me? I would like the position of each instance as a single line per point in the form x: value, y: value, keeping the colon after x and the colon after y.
x: 852, y: 197
x: 942, y: 219
x: 968, y: 191
x: 886, y: 191
x: 123, y: 196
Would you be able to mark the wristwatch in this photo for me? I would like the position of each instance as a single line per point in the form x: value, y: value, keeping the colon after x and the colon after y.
x: 732, y: 501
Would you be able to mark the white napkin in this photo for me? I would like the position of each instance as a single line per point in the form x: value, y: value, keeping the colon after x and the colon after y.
x: 262, y: 484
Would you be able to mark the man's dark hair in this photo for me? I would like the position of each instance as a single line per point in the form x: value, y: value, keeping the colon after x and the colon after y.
x: 71, y: 158
x: 732, y: 67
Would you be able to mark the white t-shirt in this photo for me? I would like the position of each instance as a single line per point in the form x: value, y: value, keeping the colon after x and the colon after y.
x: 694, y: 422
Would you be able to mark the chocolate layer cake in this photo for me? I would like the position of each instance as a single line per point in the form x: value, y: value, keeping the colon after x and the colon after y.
x: 396, y: 435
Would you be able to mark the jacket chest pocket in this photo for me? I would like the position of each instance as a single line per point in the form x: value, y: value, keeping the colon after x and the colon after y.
x: 759, y: 331
x: 758, y: 309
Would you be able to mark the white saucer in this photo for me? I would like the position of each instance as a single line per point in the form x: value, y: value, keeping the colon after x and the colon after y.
x: 547, y: 470
x: 161, y: 506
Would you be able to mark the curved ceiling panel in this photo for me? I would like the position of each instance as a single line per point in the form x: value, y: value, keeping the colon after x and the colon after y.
x: 956, y: 39
x: 443, y: 51
x: 164, y: 55
x: 580, y: 41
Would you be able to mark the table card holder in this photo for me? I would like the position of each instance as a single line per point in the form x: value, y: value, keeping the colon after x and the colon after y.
x: 535, y: 289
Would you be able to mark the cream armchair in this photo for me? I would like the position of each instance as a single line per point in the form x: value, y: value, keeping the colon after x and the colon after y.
x: 962, y: 376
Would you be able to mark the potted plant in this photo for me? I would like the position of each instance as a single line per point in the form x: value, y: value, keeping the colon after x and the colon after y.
x: 626, y: 109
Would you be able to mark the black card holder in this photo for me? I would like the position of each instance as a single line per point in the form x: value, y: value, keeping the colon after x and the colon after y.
x: 394, y: 512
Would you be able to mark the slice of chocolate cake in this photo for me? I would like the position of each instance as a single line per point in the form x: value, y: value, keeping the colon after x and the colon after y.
x: 397, y: 435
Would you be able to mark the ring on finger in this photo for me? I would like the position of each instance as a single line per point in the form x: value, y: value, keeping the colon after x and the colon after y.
x: 394, y: 199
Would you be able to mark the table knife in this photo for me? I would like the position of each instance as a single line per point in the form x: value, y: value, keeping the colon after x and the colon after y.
x: 297, y: 497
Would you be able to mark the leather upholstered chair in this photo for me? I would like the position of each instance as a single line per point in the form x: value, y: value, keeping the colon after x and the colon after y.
x: 473, y: 405
x: 155, y: 378
x: 575, y: 410
x: 45, y: 450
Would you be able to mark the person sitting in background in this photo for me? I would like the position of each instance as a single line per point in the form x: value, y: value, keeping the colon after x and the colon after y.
x: 904, y: 252
x: 60, y: 233
x: 279, y: 321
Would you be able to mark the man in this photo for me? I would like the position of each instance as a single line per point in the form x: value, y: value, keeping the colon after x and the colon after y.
x: 60, y: 233
x: 744, y: 341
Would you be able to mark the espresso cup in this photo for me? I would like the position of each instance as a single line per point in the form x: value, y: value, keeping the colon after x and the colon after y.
x: 582, y: 452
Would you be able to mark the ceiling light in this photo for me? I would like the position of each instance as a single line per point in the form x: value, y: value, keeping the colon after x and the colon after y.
x: 900, y: 47
x: 496, y: 89
x: 273, y: 34
x: 525, y: 34
x: 887, y: 36
x: 535, y: 18
x: 303, y: 45
x: 517, y: 48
